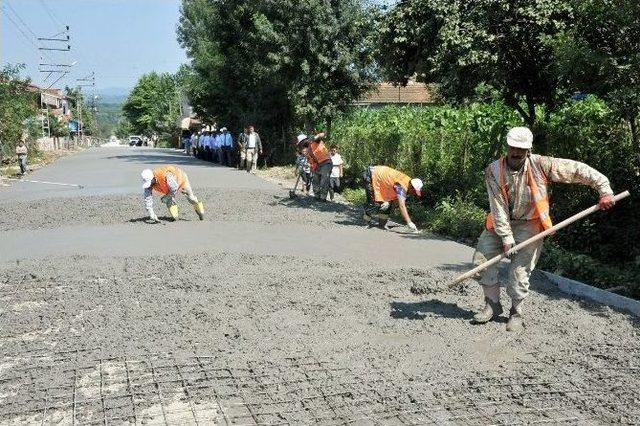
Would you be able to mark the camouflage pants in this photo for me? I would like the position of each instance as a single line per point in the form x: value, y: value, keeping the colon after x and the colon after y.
x: 522, y: 263
x: 321, y: 180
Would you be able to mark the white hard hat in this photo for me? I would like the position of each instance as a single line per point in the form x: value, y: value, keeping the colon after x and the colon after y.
x: 417, y: 185
x: 520, y: 137
x: 301, y: 137
x: 147, y: 178
x: 224, y: 129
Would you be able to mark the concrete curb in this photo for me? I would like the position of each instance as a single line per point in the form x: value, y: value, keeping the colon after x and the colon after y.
x: 577, y: 288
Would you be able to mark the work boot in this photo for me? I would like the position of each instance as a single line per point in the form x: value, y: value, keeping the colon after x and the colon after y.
x: 367, y: 219
x: 173, y: 211
x: 199, y: 208
x: 383, y: 220
x: 515, y: 322
x: 491, y: 311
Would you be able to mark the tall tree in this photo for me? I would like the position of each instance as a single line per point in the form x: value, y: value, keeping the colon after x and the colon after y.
x: 467, y: 45
x: 600, y: 54
x: 16, y: 106
x: 153, y: 106
x: 279, y: 64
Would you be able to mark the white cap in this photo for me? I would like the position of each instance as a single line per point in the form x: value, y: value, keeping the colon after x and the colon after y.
x: 224, y: 129
x: 147, y: 178
x: 520, y: 137
x: 301, y: 137
x: 417, y: 185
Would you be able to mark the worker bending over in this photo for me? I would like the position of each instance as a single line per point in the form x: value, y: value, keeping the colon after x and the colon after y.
x: 385, y: 186
x: 319, y: 159
x: 518, y: 196
x: 168, y: 180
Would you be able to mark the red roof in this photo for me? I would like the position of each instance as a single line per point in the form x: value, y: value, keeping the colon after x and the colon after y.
x: 387, y: 93
x: 53, y: 92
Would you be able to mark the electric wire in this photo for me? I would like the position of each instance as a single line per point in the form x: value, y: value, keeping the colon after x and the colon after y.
x: 52, y: 15
x: 21, y: 20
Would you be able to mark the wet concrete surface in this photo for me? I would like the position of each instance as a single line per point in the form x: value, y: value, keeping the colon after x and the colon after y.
x: 273, y: 311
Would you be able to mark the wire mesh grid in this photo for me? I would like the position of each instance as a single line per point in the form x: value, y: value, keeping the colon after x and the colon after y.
x: 82, y: 387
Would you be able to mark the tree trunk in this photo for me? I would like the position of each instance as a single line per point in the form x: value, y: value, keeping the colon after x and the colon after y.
x: 633, y: 124
x: 532, y: 112
x: 529, y: 116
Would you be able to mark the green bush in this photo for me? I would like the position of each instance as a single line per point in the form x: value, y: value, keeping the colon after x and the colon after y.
x: 456, y: 217
x: 355, y: 196
x: 585, y: 268
x: 445, y: 146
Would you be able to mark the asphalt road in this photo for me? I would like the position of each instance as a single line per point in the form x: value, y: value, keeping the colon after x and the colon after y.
x: 108, y: 172
x: 272, y: 311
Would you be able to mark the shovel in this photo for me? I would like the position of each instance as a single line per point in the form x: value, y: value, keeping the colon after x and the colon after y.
x: 533, y: 239
x: 292, y: 192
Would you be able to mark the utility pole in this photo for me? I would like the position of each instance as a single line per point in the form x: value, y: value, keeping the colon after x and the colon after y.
x: 87, y: 81
x: 53, y: 44
x: 52, y: 69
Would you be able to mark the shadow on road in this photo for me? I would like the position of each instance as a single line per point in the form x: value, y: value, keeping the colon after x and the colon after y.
x: 163, y: 220
x: 165, y: 157
x: 420, y: 310
x: 349, y: 215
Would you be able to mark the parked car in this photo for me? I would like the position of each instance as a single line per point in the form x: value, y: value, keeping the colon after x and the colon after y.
x: 135, y: 140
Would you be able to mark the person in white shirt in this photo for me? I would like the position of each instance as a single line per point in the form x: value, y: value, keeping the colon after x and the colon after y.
x: 336, y: 172
x: 253, y: 149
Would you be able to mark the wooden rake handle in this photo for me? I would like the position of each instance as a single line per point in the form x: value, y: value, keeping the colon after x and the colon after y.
x: 533, y: 239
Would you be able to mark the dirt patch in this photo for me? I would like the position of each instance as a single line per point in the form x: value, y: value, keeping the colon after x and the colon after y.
x: 259, y: 339
x: 221, y: 205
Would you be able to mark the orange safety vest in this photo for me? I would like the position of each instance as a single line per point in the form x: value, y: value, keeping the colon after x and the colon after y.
x: 317, y: 153
x: 382, y: 180
x: 537, y: 182
x: 160, y: 175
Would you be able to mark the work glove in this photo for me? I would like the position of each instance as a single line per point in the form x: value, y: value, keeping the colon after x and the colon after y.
x: 412, y: 226
x: 507, y: 247
x: 606, y: 202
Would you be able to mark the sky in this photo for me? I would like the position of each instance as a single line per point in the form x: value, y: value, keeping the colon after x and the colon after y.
x: 119, y: 40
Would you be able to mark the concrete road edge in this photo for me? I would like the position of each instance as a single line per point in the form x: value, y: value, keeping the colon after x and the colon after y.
x: 583, y: 290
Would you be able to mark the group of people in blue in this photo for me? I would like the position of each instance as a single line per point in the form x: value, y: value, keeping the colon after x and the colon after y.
x: 211, y: 145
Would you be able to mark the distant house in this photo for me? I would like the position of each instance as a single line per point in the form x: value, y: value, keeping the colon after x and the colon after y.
x: 53, y: 100
x: 386, y: 93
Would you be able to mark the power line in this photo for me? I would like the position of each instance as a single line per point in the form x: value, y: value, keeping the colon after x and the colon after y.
x: 52, y: 15
x: 21, y: 20
x: 26, y: 37
x: 30, y: 40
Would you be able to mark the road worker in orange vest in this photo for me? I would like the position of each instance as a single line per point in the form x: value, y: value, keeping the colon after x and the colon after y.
x: 168, y: 180
x: 384, y: 186
x: 517, y: 185
x: 319, y: 159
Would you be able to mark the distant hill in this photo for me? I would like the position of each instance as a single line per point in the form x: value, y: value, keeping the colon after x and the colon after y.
x: 113, y: 95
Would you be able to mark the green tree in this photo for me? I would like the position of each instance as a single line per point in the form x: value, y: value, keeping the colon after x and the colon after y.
x: 17, y: 106
x: 123, y: 129
x: 153, y: 106
x: 278, y: 64
x: 469, y: 46
x: 81, y: 109
x: 600, y: 54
